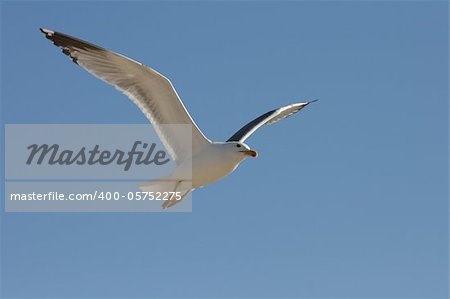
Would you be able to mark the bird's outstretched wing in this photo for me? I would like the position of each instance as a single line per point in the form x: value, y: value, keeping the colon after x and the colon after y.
x: 149, y: 90
x: 267, y: 119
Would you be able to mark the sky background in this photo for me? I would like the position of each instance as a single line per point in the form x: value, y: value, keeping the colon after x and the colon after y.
x: 347, y: 199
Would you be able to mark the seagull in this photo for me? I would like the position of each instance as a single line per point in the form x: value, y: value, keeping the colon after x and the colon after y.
x: 154, y: 94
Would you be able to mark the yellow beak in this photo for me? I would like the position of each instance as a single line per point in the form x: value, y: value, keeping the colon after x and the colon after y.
x: 251, y: 153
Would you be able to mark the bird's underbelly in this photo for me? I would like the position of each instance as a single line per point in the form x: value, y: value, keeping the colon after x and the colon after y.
x: 204, y: 171
x: 205, y: 174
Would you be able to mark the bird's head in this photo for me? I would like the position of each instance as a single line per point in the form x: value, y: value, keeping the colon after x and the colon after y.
x: 241, y: 149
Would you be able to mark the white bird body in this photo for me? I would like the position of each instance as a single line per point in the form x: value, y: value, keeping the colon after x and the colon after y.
x: 209, y: 165
x: 155, y: 95
x: 215, y: 161
x: 226, y: 161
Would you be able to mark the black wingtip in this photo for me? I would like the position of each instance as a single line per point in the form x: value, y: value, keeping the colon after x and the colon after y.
x: 312, y: 101
x: 45, y: 31
x: 48, y: 33
x: 57, y: 39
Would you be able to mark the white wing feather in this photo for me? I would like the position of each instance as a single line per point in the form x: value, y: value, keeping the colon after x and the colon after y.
x: 153, y: 93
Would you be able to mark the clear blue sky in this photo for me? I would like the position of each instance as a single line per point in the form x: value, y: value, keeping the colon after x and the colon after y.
x: 347, y: 199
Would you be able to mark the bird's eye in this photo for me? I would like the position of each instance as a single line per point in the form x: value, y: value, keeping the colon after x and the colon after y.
x: 238, y: 145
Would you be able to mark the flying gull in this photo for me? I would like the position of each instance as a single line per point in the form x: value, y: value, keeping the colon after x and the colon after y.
x: 155, y: 95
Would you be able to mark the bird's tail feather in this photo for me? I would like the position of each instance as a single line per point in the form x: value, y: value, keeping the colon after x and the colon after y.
x: 170, y: 192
